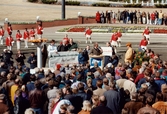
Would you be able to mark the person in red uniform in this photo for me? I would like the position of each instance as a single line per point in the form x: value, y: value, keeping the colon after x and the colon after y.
x: 39, y: 31
x: 32, y: 35
x: 88, y: 35
x: 143, y: 44
x: 97, y: 17
x: 113, y: 41
x: 9, y: 42
x: 66, y: 39
x: 26, y: 37
x: 2, y: 32
x: 18, y: 39
x: 146, y: 33
x: 119, y: 34
x: 9, y: 29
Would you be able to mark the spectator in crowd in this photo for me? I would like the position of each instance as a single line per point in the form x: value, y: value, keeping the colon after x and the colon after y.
x: 72, y: 45
x: 4, y: 109
x: 20, y: 57
x: 97, y: 17
x: 86, y: 107
x: 113, y: 99
x: 148, y: 108
x: 52, y: 47
x: 63, y: 46
x: 32, y: 60
x: 96, y: 50
x: 44, y: 55
x: 2, y: 32
x: 101, y: 109
x: 129, y: 54
x: 37, y: 98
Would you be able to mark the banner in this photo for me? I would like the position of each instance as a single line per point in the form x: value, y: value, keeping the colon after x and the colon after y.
x: 98, y: 60
x: 70, y: 57
x: 107, y: 51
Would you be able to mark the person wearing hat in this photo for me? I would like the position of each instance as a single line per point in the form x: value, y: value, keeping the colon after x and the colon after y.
x: 129, y: 54
x: 39, y: 31
x: 18, y: 39
x: 9, y: 42
x: 4, y: 109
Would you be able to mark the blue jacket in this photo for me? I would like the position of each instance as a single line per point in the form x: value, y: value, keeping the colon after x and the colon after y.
x: 32, y: 61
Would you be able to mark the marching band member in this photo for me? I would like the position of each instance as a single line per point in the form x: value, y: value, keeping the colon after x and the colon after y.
x: 88, y: 35
x: 143, y: 44
x: 26, y: 37
x: 113, y: 41
x: 39, y: 31
x: 119, y: 34
x: 1, y: 35
x: 18, y: 39
x: 9, y: 29
x: 9, y: 42
x: 32, y: 35
x: 146, y: 33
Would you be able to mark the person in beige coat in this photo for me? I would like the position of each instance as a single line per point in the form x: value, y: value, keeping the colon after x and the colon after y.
x: 129, y: 54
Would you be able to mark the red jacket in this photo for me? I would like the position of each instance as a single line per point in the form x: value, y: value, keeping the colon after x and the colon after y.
x: 119, y: 34
x: 114, y: 37
x: 146, y: 31
x: 88, y: 32
x: 26, y: 34
x: 39, y: 30
x: 9, y: 29
x: 9, y: 41
x: 32, y: 33
x: 2, y: 32
x: 152, y: 16
x: 98, y: 17
x: 143, y: 42
x: 18, y: 36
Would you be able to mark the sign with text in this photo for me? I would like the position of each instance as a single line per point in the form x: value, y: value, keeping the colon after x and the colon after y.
x: 70, y: 57
x: 98, y: 60
x: 107, y: 51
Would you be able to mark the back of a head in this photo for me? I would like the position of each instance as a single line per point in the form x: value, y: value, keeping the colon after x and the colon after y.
x: 80, y: 86
x: 134, y: 96
x: 99, y: 83
x: 38, y: 84
x: 149, y: 100
x: 159, y: 96
x: 103, y: 100
x: 29, y: 111
x: 86, y: 105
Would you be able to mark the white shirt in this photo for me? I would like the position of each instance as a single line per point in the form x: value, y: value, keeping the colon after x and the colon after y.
x: 51, y: 49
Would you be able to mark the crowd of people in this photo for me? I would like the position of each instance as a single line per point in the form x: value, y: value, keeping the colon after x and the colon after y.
x: 128, y: 87
x: 132, y: 17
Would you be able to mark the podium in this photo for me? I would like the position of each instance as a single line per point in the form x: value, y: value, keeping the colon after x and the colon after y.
x: 96, y: 58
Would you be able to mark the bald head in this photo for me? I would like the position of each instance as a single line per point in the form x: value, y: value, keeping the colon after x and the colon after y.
x: 102, y: 100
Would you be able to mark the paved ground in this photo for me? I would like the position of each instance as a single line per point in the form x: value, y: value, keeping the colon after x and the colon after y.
x: 18, y: 10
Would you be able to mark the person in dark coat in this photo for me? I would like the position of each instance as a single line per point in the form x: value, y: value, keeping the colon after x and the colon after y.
x: 79, y: 98
x: 63, y: 46
x: 32, y: 60
x: 20, y: 58
x: 101, y: 109
x: 113, y: 99
x: 44, y: 55
x: 6, y: 57
x: 21, y: 104
x: 132, y: 106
